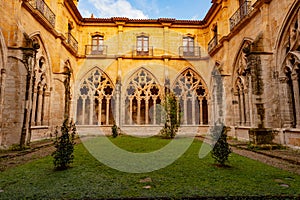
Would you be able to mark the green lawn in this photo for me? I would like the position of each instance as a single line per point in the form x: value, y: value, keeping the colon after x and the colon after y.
x: 189, y: 176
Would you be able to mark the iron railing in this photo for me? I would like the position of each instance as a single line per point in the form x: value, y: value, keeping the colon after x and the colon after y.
x: 100, y: 50
x: 72, y: 42
x: 240, y: 14
x: 189, y: 51
x: 44, y: 9
x: 138, y: 51
x: 212, y: 43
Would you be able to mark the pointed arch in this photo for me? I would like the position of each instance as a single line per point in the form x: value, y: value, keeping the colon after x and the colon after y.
x: 288, y: 68
x: 95, y: 99
x: 242, y: 86
x: 142, y: 95
x: 192, y: 94
x: 42, y: 75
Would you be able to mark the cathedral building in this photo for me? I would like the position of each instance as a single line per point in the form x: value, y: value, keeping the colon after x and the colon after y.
x: 239, y: 66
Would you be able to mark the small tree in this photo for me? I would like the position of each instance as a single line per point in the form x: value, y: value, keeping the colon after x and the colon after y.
x: 172, y: 118
x: 64, y: 144
x: 114, y: 130
x: 221, y: 149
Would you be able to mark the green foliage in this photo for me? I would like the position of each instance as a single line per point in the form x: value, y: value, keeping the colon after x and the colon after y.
x: 188, y: 177
x: 172, y: 118
x: 64, y: 144
x: 221, y: 149
x: 114, y: 130
x: 17, y: 147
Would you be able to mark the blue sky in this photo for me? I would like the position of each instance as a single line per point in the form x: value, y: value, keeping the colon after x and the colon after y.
x: 145, y: 9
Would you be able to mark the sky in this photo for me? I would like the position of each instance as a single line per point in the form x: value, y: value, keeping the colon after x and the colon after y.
x: 145, y: 9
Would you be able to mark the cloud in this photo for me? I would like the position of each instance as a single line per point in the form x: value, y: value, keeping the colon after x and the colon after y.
x: 116, y: 8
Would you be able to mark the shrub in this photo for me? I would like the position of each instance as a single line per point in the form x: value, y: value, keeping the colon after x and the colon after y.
x: 221, y: 149
x: 114, y: 130
x: 172, y: 119
x: 64, y: 144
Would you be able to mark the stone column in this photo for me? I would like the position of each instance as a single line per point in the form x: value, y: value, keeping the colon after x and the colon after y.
x: 33, y: 119
x: 99, y: 110
x: 146, y: 111
x: 201, y: 110
x: 39, y: 106
x: 83, y: 110
x: 107, y: 110
x: 295, y: 79
x: 91, y: 111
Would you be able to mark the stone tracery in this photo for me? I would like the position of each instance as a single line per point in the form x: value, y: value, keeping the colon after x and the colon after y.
x: 290, y: 74
x: 94, y: 101
x: 143, y: 94
x: 192, y: 96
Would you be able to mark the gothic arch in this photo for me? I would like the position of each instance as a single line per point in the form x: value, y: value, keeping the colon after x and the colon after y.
x: 288, y: 66
x: 41, y: 84
x: 242, y: 86
x: 142, y: 95
x: 192, y: 94
x: 94, y: 100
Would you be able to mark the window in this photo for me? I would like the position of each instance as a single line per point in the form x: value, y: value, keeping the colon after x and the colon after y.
x: 97, y: 44
x: 188, y: 46
x: 142, y: 45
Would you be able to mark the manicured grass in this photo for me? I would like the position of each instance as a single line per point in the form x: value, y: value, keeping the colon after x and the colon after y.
x: 189, y: 176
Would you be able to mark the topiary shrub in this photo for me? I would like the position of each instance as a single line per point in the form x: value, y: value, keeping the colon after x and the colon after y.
x: 64, y: 144
x: 221, y: 149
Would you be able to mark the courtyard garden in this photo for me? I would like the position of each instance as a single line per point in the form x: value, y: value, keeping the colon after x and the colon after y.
x: 188, y: 176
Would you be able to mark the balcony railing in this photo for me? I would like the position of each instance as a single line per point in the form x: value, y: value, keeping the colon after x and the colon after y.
x: 97, y: 50
x: 192, y: 51
x: 43, y: 8
x: 137, y: 51
x: 212, y: 43
x: 72, y: 42
x: 240, y: 14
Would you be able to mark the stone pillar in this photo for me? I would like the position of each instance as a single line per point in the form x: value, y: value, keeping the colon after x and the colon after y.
x: 39, y: 106
x: 201, y: 110
x: 146, y: 111
x: 107, y: 110
x: 35, y: 96
x: 99, y: 110
x: 91, y: 111
x: 295, y: 79
x: 284, y: 104
x: 130, y: 110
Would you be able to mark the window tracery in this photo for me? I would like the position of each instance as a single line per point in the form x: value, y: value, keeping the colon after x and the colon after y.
x: 290, y: 74
x: 95, y: 99
x: 242, y: 89
x: 143, y: 94
x: 40, y: 89
x: 192, y: 98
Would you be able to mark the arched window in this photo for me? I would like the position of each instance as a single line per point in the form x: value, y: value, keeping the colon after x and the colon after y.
x: 143, y: 94
x: 192, y: 96
x: 289, y: 58
x: 94, y: 101
x: 40, y: 88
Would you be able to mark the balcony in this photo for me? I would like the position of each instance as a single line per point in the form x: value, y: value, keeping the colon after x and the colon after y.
x: 142, y: 52
x: 96, y: 50
x: 192, y: 51
x: 240, y: 14
x: 72, y: 42
x: 43, y: 8
x: 212, y: 43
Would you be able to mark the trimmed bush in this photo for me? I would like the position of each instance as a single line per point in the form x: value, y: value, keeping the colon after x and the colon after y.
x: 64, y: 144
